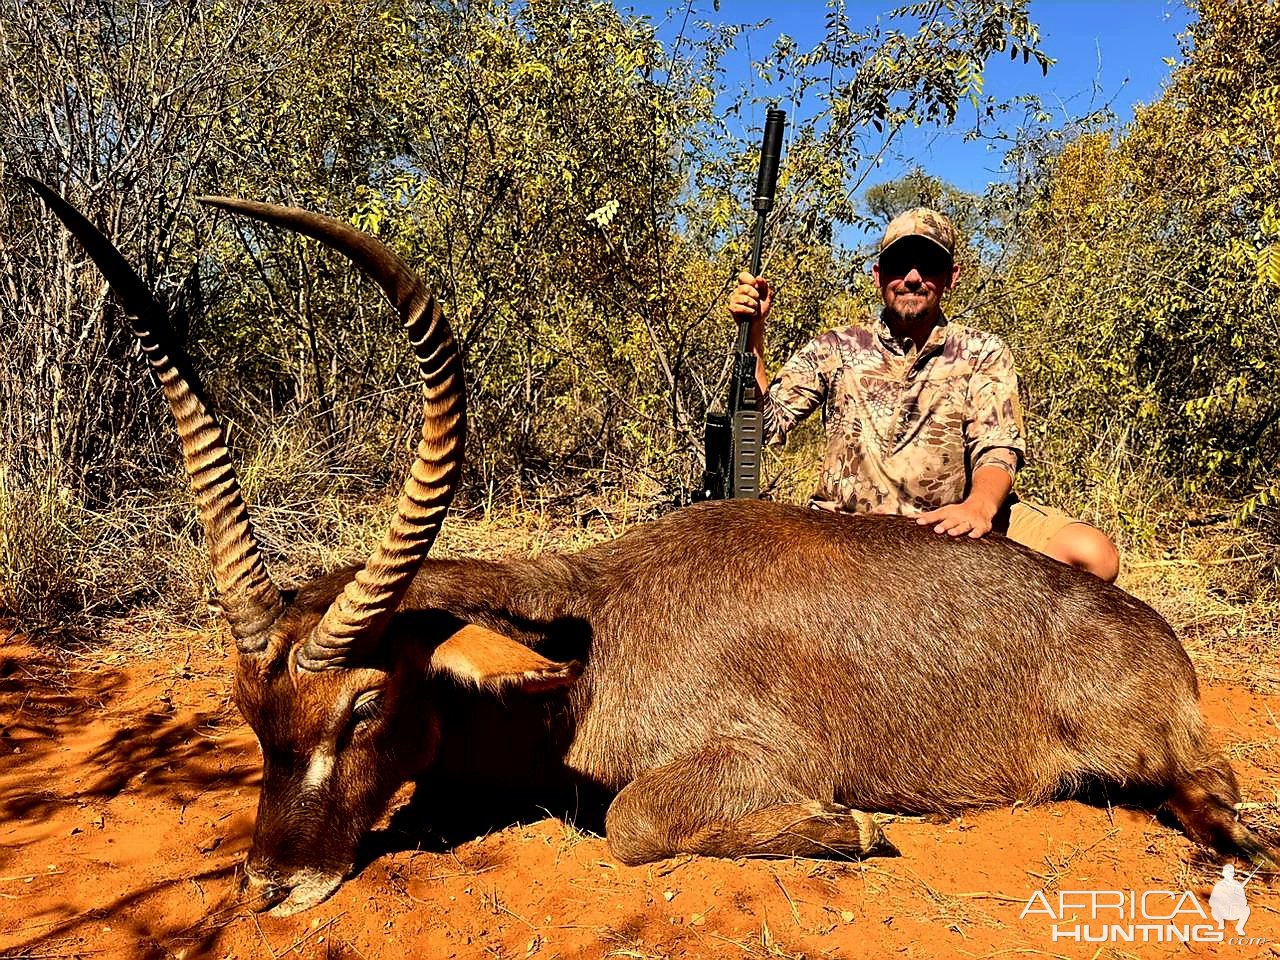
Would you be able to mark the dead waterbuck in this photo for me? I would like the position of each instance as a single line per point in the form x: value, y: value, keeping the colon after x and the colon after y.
x: 845, y: 664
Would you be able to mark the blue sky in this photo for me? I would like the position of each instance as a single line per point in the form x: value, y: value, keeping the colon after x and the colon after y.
x: 1108, y: 52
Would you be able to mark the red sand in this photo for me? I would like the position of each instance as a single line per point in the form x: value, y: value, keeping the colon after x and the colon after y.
x: 128, y: 793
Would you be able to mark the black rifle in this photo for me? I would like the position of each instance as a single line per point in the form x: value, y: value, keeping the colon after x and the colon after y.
x: 733, y: 438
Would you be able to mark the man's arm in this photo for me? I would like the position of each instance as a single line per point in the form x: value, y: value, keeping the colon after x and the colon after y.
x: 750, y: 302
x: 801, y: 385
x: 973, y: 515
x: 993, y: 438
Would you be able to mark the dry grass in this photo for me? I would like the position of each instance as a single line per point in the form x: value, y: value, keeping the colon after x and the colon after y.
x: 64, y: 568
x: 141, y: 570
x: 1215, y: 585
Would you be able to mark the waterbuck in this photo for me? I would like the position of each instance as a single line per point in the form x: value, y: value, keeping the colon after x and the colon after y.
x: 745, y: 676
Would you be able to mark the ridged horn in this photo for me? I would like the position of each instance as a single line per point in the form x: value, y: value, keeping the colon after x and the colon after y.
x: 250, y: 601
x: 353, y: 624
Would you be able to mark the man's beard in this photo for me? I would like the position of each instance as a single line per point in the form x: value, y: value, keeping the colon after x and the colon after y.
x: 908, y: 315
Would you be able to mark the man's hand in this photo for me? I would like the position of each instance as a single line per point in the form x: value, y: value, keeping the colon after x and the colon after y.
x: 973, y: 516
x: 751, y: 298
x: 959, y: 519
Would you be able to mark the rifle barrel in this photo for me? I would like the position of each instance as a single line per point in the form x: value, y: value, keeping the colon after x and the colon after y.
x: 767, y: 180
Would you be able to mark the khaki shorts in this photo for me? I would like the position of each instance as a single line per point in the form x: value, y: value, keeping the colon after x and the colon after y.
x: 1031, y: 524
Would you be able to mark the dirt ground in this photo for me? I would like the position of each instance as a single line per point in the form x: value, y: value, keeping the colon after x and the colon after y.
x: 128, y: 784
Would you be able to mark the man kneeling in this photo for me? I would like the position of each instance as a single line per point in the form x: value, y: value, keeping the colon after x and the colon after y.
x: 921, y: 412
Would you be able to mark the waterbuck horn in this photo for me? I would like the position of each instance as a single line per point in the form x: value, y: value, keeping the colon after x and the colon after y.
x: 249, y: 600
x: 352, y: 626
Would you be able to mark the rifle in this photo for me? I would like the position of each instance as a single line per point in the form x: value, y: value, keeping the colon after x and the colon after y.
x: 733, y: 437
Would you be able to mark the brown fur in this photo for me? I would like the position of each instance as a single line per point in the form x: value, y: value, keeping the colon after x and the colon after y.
x: 754, y: 674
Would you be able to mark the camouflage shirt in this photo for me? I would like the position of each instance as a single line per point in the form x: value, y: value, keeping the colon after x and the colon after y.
x: 906, y: 428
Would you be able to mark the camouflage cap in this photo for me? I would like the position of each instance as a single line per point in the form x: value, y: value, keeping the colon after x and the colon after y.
x: 921, y: 222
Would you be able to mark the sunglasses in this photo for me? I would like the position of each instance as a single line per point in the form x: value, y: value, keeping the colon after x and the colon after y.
x: 930, y: 262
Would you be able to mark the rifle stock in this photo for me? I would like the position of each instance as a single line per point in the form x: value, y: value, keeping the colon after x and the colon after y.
x: 734, y: 438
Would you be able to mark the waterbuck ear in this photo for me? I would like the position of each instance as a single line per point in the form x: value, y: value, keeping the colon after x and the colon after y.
x: 489, y: 660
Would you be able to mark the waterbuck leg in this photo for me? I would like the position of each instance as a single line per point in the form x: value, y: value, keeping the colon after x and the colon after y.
x: 1204, y: 802
x: 724, y: 800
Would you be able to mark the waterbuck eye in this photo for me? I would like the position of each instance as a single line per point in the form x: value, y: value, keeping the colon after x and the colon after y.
x: 367, y: 706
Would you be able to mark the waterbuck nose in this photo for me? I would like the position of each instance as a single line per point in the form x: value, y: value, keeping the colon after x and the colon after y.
x: 264, y: 889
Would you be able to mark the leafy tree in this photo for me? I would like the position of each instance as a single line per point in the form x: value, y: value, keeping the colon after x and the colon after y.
x: 915, y: 188
x: 1142, y: 287
x: 577, y: 192
x: 113, y: 105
